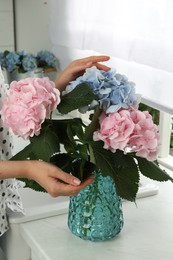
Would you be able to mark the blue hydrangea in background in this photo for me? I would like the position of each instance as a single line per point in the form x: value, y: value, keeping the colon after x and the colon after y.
x: 19, y: 61
x: 29, y: 62
x: 46, y: 59
x: 10, y: 60
x: 25, y: 62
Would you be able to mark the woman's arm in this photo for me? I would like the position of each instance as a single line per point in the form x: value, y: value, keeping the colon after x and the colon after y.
x: 46, y: 174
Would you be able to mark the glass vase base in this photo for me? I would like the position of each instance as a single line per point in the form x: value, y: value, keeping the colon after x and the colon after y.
x: 96, y: 236
x: 96, y: 212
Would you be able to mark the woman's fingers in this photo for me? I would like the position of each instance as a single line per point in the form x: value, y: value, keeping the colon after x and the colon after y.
x: 101, y: 66
x: 94, y: 59
x: 62, y: 189
x: 66, y: 177
x: 79, y: 69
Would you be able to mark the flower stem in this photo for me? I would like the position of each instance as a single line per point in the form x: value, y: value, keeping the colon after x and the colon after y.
x: 92, y: 157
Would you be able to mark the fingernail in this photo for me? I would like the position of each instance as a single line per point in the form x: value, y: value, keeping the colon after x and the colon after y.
x: 76, y: 181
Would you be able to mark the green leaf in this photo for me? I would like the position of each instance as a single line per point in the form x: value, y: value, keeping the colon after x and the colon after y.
x: 45, y: 145
x: 93, y: 126
x: 25, y: 154
x: 74, y: 165
x: 77, y: 170
x: 6, y: 52
x: 152, y: 170
x: 60, y: 128
x: 70, y: 134
x: 67, y: 131
x: 122, y: 168
x: 82, y: 169
x: 41, y: 147
x: 32, y: 184
x: 81, y: 96
x: 83, y: 151
x: 77, y: 129
x: 63, y: 161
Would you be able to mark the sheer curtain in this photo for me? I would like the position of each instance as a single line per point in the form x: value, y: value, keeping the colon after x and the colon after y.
x: 138, y: 35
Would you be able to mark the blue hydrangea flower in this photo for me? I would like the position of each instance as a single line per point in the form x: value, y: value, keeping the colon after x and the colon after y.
x: 17, y: 61
x: 46, y: 58
x: 29, y: 62
x: 11, y: 61
x: 114, y: 91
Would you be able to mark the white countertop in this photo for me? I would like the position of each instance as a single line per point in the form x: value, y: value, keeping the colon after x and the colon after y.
x: 147, y: 234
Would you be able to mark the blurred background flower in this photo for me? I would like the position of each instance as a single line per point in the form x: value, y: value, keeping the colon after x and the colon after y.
x: 46, y: 59
x: 18, y: 61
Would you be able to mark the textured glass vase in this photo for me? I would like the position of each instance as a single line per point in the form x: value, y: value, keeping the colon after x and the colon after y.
x: 96, y: 212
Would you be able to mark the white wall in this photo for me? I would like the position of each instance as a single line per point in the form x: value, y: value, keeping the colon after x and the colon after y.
x: 6, y: 25
x: 32, y: 25
x: 32, y: 32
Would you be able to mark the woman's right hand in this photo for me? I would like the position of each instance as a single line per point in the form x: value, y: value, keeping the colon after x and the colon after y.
x: 77, y: 68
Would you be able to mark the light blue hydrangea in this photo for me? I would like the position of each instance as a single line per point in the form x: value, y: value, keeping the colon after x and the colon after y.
x: 29, y: 62
x: 21, y: 53
x: 47, y: 59
x: 11, y: 61
x: 114, y: 91
x: 18, y: 61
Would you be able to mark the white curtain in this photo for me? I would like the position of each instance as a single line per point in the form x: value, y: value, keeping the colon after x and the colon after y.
x: 138, y: 35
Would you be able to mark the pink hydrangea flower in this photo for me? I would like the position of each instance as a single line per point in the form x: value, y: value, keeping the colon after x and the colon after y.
x: 115, y: 130
x: 29, y: 103
x: 129, y: 130
x: 145, y: 140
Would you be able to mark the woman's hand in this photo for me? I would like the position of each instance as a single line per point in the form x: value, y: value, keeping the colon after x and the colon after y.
x: 77, y: 68
x: 50, y: 177
x: 47, y: 175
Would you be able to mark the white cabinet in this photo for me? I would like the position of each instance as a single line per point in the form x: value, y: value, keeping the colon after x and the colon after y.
x: 6, y: 25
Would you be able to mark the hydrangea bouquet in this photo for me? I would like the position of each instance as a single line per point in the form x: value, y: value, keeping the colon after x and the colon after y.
x: 119, y: 139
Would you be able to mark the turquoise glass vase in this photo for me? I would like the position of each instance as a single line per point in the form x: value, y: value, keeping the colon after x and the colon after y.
x: 96, y: 212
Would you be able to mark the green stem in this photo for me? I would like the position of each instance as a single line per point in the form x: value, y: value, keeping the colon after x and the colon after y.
x: 92, y: 157
x: 86, y: 220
